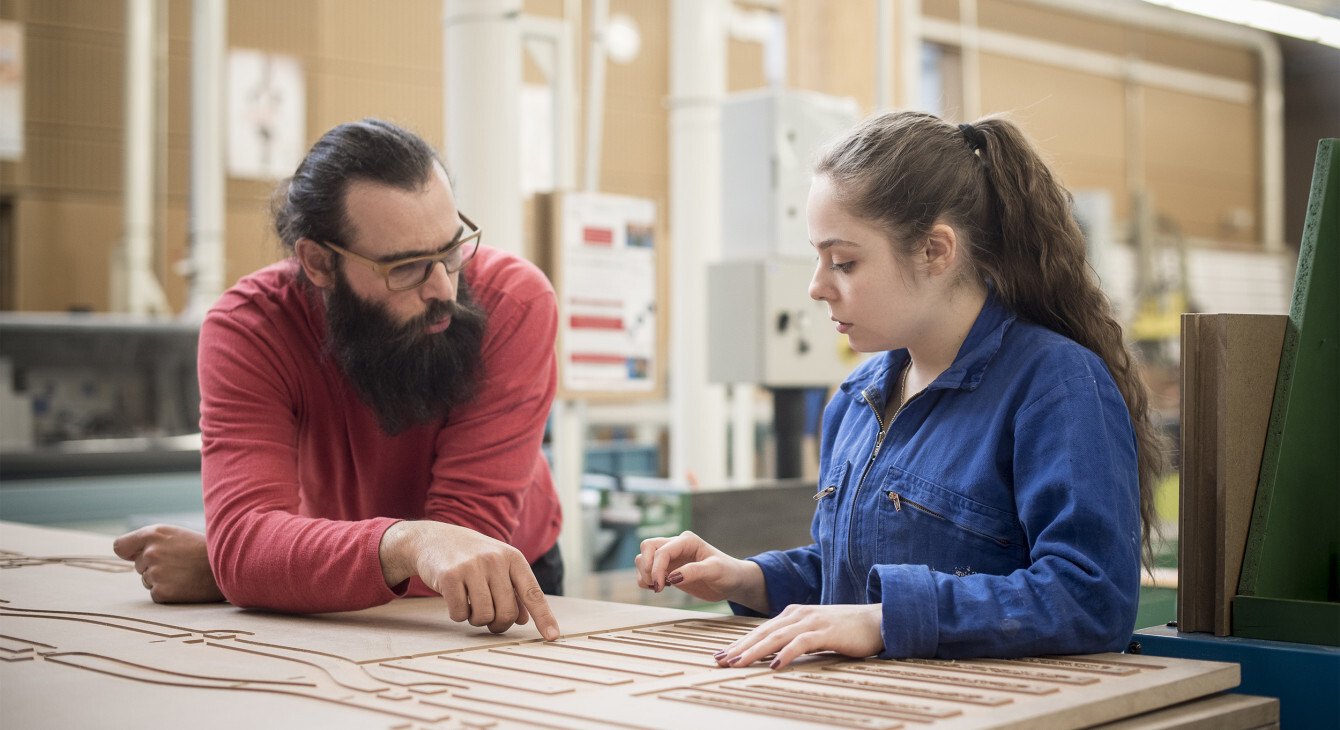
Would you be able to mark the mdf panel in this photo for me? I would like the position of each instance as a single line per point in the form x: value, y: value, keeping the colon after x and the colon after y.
x: 288, y: 27
x: 1076, y: 119
x: 1049, y: 25
x: 252, y: 243
x: 1201, y: 163
x: 62, y: 251
x: 831, y: 48
x: 744, y: 66
x: 337, y: 98
x: 1215, y: 59
x: 403, y: 34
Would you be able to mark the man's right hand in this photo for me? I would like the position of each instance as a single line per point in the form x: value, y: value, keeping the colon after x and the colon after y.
x: 172, y: 562
x: 484, y: 581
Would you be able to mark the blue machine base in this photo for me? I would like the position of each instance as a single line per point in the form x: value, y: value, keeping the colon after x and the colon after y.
x: 1305, y: 677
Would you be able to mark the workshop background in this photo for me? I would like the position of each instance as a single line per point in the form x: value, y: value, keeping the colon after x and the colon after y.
x: 140, y: 141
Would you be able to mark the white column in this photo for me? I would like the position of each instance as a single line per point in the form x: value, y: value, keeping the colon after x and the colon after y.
x: 208, y: 193
x: 134, y: 287
x: 884, y: 55
x: 908, y: 26
x: 697, y: 85
x: 482, y: 55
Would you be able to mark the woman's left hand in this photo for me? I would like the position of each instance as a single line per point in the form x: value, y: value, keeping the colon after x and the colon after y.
x: 852, y: 630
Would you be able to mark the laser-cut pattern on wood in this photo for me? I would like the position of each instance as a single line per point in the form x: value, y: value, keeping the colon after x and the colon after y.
x: 639, y: 675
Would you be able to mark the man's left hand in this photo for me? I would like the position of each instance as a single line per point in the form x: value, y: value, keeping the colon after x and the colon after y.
x: 172, y: 562
x: 851, y: 630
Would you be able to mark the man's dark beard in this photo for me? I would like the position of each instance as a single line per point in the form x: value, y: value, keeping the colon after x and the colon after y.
x: 405, y: 375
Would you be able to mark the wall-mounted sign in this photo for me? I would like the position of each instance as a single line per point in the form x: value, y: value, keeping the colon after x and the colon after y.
x: 607, y: 293
x: 11, y: 90
x: 267, y: 114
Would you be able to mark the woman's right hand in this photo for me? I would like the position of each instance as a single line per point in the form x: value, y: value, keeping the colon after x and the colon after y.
x: 692, y: 565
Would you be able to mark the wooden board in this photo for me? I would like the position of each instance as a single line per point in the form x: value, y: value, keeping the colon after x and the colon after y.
x: 1229, y: 363
x: 84, y: 647
x: 1219, y: 712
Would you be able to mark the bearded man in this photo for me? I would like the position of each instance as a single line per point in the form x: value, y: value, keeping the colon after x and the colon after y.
x: 372, y: 408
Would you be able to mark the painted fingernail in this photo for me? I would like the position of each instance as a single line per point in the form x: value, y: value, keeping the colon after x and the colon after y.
x: 719, y: 655
x: 735, y: 659
x: 675, y: 579
x: 775, y: 663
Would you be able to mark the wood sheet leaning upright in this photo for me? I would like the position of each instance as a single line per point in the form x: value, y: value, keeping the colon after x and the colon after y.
x: 1229, y: 362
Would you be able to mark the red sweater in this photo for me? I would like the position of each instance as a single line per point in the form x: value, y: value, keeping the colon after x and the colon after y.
x: 299, y: 481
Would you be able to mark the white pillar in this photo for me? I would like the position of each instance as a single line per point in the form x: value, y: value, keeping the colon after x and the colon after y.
x: 208, y: 201
x: 884, y: 55
x: 697, y: 85
x: 133, y: 286
x: 595, y: 95
x: 482, y: 54
x: 908, y: 26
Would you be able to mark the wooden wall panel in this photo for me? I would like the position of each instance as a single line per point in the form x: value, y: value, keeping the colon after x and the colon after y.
x: 1201, y: 163
x: 1078, y: 121
x: 385, y: 60
x: 63, y: 252
x: 1032, y: 21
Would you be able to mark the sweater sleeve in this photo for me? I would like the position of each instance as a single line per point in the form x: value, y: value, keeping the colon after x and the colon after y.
x: 1077, y: 495
x: 489, y: 473
x: 263, y: 552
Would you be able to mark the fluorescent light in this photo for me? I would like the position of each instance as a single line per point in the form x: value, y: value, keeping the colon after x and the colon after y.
x: 1265, y: 15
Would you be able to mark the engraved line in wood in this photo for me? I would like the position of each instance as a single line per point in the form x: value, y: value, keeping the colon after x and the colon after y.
x: 652, y: 642
x: 62, y: 616
x: 90, y: 562
x: 29, y: 642
x: 826, y: 717
x: 472, y: 676
x: 1007, y: 685
x: 342, y: 671
x: 112, y: 619
x: 409, y: 679
x: 126, y: 670
x: 1114, y: 670
x: 529, y: 715
x: 880, y: 685
x: 489, y: 659
x: 952, y: 665
x: 697, y: 644
x: 617, y: 650
x: 1111, y: 660
x: 905, y: 710
x: 557, y: 654
x: 717, y: 637
x: 726, y: 632
x: 726, y: 624
x: 81, y: 659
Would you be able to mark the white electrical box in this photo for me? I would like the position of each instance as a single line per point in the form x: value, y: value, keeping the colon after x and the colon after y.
x: 768, y: 142
x: 765, y: 329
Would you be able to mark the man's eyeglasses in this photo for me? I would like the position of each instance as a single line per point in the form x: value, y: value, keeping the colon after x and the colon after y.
x: 409, y: 273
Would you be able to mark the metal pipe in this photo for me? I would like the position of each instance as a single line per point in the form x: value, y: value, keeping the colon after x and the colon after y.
x: 697, y: 84
x: 208, y: 194
x: 595, y: 94
x: 482, y: 55
x: 133, y: 286
x: 884, y: 55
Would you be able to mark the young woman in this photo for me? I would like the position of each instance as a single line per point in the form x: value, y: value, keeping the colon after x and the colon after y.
x: 984, y: 479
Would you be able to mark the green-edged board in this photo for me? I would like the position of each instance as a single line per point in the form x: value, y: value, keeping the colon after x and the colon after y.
x: 1290, y: 586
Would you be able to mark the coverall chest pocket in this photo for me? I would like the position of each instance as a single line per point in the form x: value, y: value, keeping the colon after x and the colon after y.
x: 929, y: 524
x: 832, y: 490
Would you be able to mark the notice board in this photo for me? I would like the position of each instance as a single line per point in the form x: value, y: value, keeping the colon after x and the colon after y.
x: 604, y: 266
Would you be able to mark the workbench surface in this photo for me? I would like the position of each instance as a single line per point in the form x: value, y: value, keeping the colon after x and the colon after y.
x: 84, y: 647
